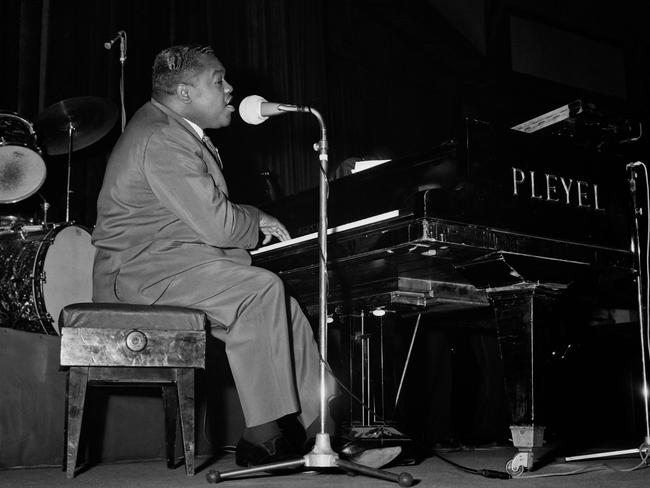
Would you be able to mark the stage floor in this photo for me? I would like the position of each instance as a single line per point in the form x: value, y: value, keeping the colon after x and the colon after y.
x: 431, y: 472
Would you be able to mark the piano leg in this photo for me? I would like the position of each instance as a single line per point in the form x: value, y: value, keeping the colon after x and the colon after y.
x: 525, y: 320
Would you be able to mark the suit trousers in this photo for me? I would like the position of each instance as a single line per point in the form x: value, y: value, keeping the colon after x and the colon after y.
x: 268, y: 340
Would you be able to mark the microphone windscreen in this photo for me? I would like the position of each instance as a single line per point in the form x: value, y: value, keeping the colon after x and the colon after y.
x: 250, y: 109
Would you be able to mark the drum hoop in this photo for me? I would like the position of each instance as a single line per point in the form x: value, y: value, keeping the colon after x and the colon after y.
x: 37, y: 282
x: 14, y: 115
x: 36, y: 148
x: 38, y: 291
x: 43, y: 315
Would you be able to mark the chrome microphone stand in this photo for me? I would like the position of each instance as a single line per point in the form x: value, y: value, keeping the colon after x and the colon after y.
x: 121, y: 36
x: 642, y: 300
x: 322, y: 455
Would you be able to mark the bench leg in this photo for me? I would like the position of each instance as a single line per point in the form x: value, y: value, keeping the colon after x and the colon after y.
x: 170, y: 404
x: 185, y: 385
x: 75, y: 399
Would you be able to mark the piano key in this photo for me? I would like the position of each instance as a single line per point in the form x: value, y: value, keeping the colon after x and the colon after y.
x: 332, y: 230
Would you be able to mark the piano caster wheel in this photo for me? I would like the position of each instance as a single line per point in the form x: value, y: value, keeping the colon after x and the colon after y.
x: 518, y: 471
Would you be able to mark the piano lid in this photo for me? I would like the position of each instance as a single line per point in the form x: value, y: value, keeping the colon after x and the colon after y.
x: 385, y: 188
x: 533, y: 184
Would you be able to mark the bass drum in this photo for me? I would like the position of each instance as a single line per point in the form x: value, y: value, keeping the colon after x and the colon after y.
x: 42, y: 271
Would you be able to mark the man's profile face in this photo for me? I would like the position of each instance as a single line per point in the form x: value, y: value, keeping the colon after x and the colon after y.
x: 210, y: 96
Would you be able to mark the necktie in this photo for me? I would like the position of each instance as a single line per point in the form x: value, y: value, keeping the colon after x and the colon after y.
x: 212, y: 149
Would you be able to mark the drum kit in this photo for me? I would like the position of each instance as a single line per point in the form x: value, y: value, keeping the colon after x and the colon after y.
x: 45, y: 266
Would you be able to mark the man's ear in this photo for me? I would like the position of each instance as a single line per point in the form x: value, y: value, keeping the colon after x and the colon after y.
x: 183, y: 93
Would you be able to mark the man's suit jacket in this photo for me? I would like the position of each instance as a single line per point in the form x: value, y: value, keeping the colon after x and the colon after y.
x: 163, y: 209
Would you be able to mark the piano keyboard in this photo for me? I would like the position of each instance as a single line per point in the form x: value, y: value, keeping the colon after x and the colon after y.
x: 332, y: 230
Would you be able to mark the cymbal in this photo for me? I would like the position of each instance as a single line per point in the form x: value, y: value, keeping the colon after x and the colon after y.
x: 91, y: 117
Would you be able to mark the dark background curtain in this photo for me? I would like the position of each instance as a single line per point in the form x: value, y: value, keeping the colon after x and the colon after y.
x: 391, y: 78
x: 55, y: 52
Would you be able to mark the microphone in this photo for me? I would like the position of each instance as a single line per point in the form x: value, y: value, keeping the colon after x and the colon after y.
x: 254, y: 109
x: 109, y: 44
x: 630, y: 167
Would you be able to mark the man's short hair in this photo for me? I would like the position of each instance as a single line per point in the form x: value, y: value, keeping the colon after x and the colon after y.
x: 174, y: 65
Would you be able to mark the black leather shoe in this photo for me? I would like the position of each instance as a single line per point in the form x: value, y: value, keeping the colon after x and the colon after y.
x: 368, y: 454
x: 274, y: 450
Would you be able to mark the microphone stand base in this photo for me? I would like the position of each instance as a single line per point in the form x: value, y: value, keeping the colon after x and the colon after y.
x: 321, y: 456
x: 643, y: 450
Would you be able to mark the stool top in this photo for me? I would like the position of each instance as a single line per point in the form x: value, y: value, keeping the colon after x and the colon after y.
x: 130, y: 316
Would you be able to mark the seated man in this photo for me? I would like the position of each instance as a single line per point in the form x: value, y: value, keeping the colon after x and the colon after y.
x: 168, y: 234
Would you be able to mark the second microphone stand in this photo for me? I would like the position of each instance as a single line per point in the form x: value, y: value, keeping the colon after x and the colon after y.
x: 122, y: 90
x: 641, y: 264
x: 322, y: 455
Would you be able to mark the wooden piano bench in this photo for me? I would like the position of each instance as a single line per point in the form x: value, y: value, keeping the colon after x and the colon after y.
x: 109, y: 344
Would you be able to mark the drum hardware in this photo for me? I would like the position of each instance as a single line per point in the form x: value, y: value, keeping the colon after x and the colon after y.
x: 11, y: 223
x: 73, y: 124
x: 45, y: 207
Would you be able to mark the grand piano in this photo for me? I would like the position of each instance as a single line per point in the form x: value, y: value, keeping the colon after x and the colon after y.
x: 498, y: 218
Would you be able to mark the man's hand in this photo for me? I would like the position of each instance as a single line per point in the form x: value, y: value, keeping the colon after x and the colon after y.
x: 270, y: 226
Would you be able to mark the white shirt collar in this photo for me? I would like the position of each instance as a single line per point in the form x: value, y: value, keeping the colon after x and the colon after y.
x: 196, y: 128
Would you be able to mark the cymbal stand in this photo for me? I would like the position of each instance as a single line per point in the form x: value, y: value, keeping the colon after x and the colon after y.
x: 643, y: 303
x: 45, y: 206
x: 71, y: 129
x: 322, y: 455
